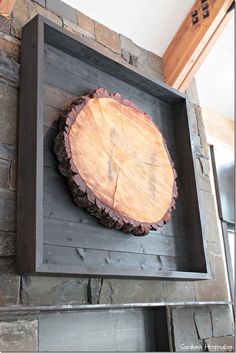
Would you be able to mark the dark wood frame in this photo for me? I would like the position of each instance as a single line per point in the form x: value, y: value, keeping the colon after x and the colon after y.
x: 30, y: 197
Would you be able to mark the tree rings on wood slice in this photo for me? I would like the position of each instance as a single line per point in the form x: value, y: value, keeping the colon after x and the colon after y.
x: 117, y: 163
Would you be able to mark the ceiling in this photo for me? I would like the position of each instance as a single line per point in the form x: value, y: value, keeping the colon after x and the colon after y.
x: 152, y: 24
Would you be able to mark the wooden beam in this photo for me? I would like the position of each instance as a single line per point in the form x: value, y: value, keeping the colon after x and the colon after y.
x: 192, y: 42
x: 6, y: 7
x: 226, y: 19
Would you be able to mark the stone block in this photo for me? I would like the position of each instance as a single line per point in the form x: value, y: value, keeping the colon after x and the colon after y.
x: 203, y: 324
x: 220, y: 344
x: 54, y: 290
x: 202, y: 132
x: 10, y: 46
x: 94, y: 289
x: 141, y: 65
x: 72, y: 27
x: 132, y: 52
x: 179, y: 291
x: 13, y: 175
x: 10, y: 282
x: 7, y: 244
x: 7, y: 167
x: 192, y: 93
x: 209, y: 217
x: 5, y: 24
x: 8, y: 114
x: 20, y: 16
x: 205, y: 165
x: 41, y: 2
x: 107, y: 37
x: 7, y: 151
x: 155, y: 62
x: 184, y: 330
x: 215, y: 289
x: 122, y: 291
x: 193, y: 120
x: 105, y: 50
x: 19, y: 336
x: 148, y: 71
x: 222, y: 320
x: 39, y: 10
x: 9, y: 68
x: 86, y: 23
x: 25, y: 10
x: 7, y: 210
x: 62, y: 9
x: 203, y: 171
x: 4, y: 173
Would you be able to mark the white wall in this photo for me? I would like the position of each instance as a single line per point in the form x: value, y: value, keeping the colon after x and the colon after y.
x: 149, y: 23
x: 215, y: 78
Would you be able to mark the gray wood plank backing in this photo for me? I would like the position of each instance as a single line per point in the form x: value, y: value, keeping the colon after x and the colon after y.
x: 57, y: 98
x: 54, y: 182
x: 75, y: 76
x: 49, y: 136
x: 113, y: 330
x: 93, y: 236
x: 50, y: 159
x: 106, y: 261
x: 69, y: 43
x: 61, y: 203
x: 62, y: 207
x: 51, y: 115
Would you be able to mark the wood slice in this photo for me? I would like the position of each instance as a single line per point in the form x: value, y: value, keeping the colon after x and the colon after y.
x: 117, y: 163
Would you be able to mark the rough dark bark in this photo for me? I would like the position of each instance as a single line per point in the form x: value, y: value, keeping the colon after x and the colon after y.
x: 82, y: 194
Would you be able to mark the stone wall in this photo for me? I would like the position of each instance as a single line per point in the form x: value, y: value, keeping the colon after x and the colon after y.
x: 205, y: 328
x: 19, y: 291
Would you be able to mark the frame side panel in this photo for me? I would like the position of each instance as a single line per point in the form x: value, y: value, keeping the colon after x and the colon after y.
x: 30, y: 160
x: 193, y: 216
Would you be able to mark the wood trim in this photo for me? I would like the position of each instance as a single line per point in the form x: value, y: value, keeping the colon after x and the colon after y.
x: 223, y: 24
x: 192, y: 43
x: 6, y: 7
x: 30, y: 187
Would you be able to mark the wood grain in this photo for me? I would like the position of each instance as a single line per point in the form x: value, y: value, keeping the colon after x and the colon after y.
x: 117, y: 163
x: 206, y: 50
x: 6, y: 7
x: 190, y: 41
